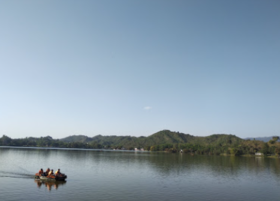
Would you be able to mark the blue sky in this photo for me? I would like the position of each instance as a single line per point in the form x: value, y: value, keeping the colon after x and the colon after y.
x: 137, y: 67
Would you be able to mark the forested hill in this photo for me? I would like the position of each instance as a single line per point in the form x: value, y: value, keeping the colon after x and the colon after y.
x: 76, y: 138
x: 164, y: 140
x: 161, y: 137
x: 165, y: 137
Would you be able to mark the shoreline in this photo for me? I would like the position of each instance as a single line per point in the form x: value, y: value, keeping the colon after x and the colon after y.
x: 132, y: 151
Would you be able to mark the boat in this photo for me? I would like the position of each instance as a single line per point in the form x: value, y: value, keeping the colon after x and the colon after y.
x: 61, y: 177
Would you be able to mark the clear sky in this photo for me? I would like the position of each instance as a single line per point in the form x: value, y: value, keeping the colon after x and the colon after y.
x: 135, y: 67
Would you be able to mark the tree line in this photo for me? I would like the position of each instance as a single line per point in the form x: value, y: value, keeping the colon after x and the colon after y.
x: 245, y: 147
x: 212, y: 145
x: 46, y: 142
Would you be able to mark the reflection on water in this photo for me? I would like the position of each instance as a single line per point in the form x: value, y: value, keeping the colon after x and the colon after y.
x: 166, y: 163
x: 112, y: 175
x: 163, y: 163
x: 49, y: 184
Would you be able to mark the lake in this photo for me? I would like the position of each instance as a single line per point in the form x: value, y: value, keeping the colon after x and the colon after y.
x: 127, y: 175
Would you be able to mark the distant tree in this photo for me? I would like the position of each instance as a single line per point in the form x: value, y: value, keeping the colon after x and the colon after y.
x: 153, y: 148
x: 6, y: 140
x: 235, y: 151
x: 275, y: 138
x: 277, y: 151
x: 265, y: 149
x: 147, y: 148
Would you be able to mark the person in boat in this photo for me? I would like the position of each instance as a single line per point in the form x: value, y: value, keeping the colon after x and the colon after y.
x: 51, y: 172
x: 41, y: 172
x: 58, y: 173
x: 47, y: 172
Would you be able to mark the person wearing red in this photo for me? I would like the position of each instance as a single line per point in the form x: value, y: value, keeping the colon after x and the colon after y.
x: 41, y: 172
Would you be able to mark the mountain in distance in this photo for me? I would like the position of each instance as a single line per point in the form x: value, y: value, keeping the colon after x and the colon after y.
x: 161, y: 137
x: 164, y: 140
x: 159, y: 141
x: 264, y: 139
x: 76, y: 138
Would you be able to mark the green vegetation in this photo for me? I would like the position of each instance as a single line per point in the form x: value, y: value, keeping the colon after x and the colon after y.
x: 164, y: 140
x: 46, y: 142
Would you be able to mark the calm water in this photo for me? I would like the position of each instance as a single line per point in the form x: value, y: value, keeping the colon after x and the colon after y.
x: 109, y: 175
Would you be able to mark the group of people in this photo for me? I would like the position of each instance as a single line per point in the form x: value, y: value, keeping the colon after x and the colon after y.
x: 50, y: 172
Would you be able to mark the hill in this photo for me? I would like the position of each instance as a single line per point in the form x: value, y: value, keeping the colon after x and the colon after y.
x: 161, y: 137
x: 76, y: 138
x: 164, y: 140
